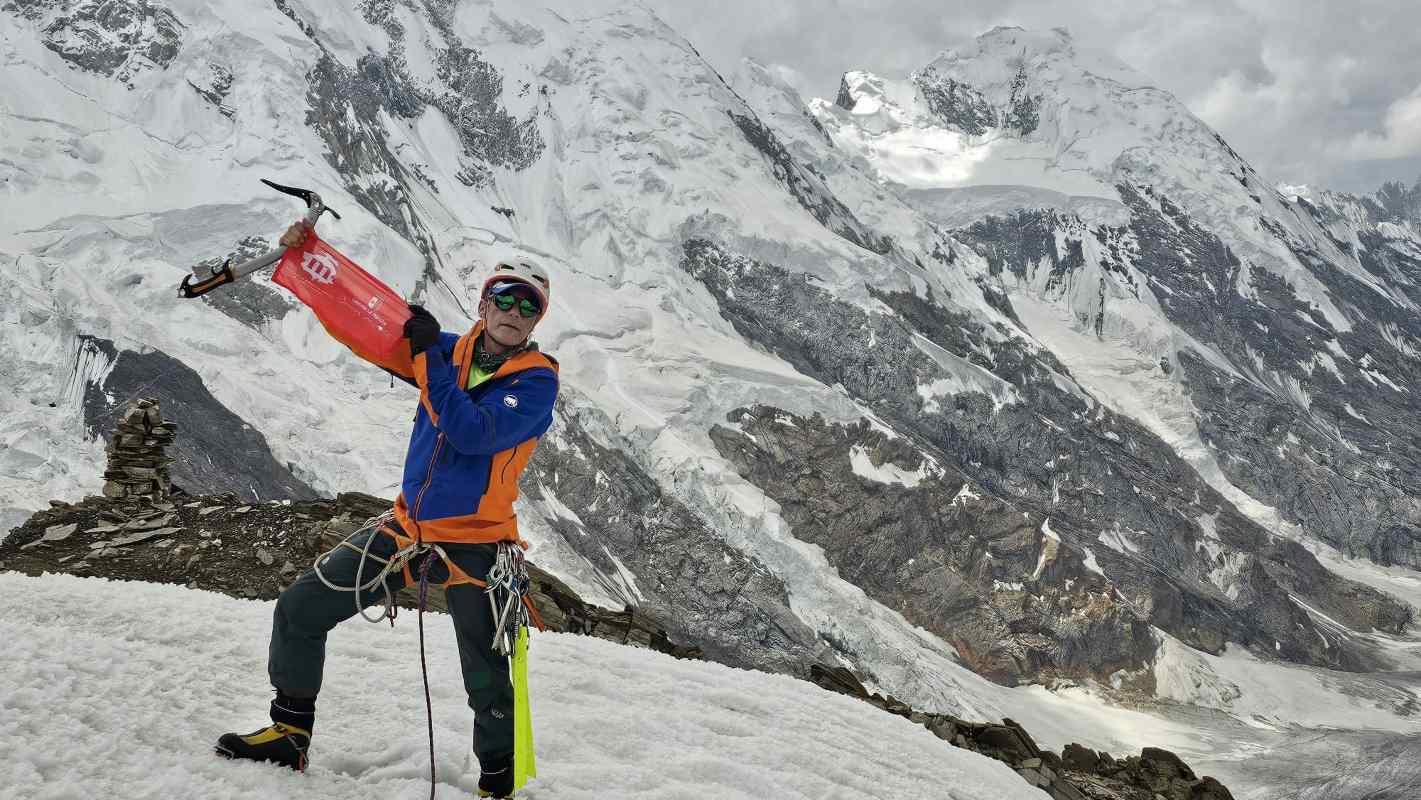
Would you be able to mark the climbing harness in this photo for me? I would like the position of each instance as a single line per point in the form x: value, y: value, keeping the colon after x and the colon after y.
x: 510, y: 601
x: 398, y: 561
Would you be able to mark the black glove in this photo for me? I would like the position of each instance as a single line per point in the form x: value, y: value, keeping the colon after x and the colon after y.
x: 422, y: 329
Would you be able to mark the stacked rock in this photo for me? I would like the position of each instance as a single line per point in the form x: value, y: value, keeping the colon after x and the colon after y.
x: 138, y: 463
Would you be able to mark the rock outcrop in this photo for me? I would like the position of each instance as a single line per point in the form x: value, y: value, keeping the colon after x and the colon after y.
x: 1077, y: 773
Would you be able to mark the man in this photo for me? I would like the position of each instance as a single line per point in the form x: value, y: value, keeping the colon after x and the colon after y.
x: 484, y: 400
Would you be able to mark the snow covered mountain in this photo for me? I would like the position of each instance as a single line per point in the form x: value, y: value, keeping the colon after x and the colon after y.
x: 1011, y: 369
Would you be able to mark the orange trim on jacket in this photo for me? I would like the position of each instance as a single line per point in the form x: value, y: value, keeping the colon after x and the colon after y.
x: 470, y: 445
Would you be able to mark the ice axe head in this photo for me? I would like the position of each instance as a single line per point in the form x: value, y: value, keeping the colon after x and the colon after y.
x: 313, y: 200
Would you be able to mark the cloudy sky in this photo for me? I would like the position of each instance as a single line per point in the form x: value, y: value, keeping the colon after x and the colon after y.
x: 1326, y: 92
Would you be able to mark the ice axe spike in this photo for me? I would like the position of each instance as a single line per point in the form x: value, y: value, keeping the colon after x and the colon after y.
x: 228, y: 273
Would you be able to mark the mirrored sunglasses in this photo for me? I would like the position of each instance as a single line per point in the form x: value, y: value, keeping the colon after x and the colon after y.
x: 526, y: 308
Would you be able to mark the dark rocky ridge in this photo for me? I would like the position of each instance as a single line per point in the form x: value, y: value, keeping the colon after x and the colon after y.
x: 1078, y: 773
x: 114, y: 39
x: 959, y: 106
x: 225, y: 544
x: 1049, y: 454
x: 1394, y: 202
x: 807, y: 188
x: 217, y: 449
x: 1022, y: 114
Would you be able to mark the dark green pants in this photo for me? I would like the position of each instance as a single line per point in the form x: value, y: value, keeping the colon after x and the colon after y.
x: 308, y: 610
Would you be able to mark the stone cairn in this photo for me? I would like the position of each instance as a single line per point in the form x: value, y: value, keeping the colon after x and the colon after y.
x: 138, y: 463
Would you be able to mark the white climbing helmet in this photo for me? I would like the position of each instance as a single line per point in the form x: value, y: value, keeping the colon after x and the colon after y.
x: 524, y: 270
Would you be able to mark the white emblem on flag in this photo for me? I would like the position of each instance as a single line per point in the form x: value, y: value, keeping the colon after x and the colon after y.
x: 320, y: 266
x: 510, y: 401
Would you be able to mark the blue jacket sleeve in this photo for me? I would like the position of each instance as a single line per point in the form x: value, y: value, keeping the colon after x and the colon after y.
x: 503, y: 418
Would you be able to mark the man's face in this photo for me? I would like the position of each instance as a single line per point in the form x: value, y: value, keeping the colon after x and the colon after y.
x: 509, y: 327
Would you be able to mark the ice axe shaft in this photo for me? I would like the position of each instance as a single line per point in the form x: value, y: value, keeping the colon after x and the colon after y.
x: 228, y: 273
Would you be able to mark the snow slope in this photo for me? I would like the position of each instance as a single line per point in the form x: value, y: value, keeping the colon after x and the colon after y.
x: 117, y: 690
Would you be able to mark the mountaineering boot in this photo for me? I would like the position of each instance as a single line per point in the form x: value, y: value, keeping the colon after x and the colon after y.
x: 284, y: 742
x: 278, y: 743
x: 496, y: 778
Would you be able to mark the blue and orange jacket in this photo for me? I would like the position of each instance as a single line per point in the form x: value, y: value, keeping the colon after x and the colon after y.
x: 469, y: 446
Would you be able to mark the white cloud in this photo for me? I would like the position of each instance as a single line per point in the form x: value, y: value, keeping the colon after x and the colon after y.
x: 1230, y: 97
x: 791, y: 76
x: 1400, y: 136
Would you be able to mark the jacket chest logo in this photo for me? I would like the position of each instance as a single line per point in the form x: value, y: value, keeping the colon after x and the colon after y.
x: 510, y: 401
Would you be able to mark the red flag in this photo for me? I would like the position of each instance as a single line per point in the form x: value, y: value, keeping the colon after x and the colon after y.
x: 355, y: 307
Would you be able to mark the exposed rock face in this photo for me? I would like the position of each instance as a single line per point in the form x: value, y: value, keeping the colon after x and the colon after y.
x: 808, y: 188
x: 1131, y: 507
x: 845, y: 98
x: 345, y: 105
x: 1022, y: 113
x: 953, y: 559
x: 114, y: 38
x: 469, y: 93
x: 217, y: 449
x: 957, y: 105
x: 1394, y: 202
x: 657, y: 554
x: 1326, y: 439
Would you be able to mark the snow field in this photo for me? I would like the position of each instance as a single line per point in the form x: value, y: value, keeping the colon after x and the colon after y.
x: 1285, y: 696
x: 118, y: 689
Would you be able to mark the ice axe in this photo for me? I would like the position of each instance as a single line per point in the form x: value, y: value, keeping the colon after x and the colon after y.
x: 228, y: 273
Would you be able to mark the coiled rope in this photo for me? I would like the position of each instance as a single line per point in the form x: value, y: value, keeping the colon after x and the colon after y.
x: 508, y: 587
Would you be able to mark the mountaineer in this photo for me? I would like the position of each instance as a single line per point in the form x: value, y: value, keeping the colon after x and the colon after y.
x: 485, y: 398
